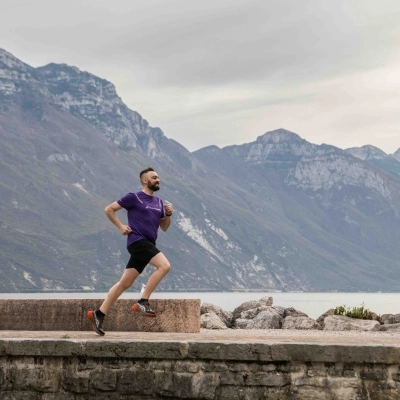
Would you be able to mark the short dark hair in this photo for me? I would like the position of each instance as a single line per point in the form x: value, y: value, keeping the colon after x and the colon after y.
x: 145, y: 171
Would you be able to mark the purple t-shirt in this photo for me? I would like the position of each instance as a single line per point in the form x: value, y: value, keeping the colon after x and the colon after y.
x: 144, y: 214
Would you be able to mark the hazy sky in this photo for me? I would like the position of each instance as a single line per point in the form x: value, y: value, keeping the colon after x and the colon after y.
x: 224, y: 72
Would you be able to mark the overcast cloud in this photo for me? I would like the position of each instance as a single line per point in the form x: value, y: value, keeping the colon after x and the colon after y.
x: 225, y: 72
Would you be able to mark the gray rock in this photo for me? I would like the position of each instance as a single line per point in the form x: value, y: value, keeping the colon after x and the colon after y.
x: 226, y: 316
x: 389, y: 327
x: 342, y: 323
x: 248, y: 305
x: 292, y: 312
x: 391, y: 318
x: 242, y: 323
x: 280, y: 310
x: 301, y: 323
x: 268, y: 319
x: 267, y: 300
x: 253, y: 312
x: 252, y: 304
x: 211, y: 321
x: 322, y: 317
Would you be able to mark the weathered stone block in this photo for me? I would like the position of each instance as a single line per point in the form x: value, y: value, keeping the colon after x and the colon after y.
x: 348, y: 373
x: 17, y: 395
x: 74, y: 383
x: 205, y: 385
x: 57, y: 396
x: 232, y: 378
x: 164, y: 383
x: 161, y: 365
x: 186, y: 366
x: 104, y: 380
x: 158, y: 350
x: 377, y: 375
x: 35, y: 379
x: 270, y: 368
x: 137, y: 382
x: 334, y: 353
x: 268, y: 379
x: 229, y: 351
x: 86, y: 364
x: 173, y: 315
x: 240, y: 393
x: 41, y: 315
x: 176, y: 385
x: 214, y: 367
x: 42, y: 347
x: 240, y: 367
x: 334, y: 372
x: 316, y: 393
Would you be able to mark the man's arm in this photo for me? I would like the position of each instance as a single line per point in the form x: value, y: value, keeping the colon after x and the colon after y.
x: 110, y: 211
x: 166, y: 221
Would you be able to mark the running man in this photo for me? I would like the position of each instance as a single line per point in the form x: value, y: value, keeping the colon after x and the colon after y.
x: 146, y: 213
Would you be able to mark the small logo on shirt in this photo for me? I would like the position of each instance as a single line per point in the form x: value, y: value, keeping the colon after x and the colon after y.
x: 152, y: 208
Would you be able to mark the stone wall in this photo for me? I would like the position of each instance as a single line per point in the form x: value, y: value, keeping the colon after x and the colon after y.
x: 173, y: 315
x: 101, y: 369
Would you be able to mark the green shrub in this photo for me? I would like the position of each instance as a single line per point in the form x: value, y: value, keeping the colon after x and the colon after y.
x: 357, y: 312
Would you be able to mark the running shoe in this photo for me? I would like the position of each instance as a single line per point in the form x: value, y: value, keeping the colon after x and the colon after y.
x: 144, y: 308
x: 96, y: 322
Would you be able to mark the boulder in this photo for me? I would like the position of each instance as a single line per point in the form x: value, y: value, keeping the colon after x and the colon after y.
x: 242, y: 323
x: 390, y: 327
x: 268, y: 319
x: 211, y: 321
x: 302, y: 323
x: 280, y: 310
x: 226, y: 316
x: 252, y: 304
x: 322, y: 317
x: 248, y: 305
x: 342, y: 323
x: 253, y: 312
x: 267, y: 300
x: 292, y: 312
x: 391, y: 318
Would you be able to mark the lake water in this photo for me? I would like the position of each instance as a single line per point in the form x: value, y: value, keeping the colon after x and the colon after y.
x: 313, y: 304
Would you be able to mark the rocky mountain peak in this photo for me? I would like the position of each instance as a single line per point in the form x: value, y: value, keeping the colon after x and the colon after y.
x: 277, y: 143
x: 396, y: 155
x: 279, y: 136
x: 85, y: 95
x: 10, y: 61
x: 367, y: 152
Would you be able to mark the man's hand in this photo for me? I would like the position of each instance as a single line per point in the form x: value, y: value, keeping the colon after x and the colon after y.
x: 168, y: 208
x: 125, y: 229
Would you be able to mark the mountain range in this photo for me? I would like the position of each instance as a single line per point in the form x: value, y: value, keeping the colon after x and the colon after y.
x: 276, y: 214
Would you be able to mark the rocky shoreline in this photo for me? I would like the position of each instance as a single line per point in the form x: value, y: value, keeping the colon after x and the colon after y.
x: 262, y: 314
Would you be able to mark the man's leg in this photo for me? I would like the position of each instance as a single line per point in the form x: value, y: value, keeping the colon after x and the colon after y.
x: 126, y: 281
x: 97, y: 317
x: 162, y: 268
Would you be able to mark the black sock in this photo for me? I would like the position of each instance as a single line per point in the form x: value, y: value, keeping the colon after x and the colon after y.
x: 100, y: 314
x: 142, y: 300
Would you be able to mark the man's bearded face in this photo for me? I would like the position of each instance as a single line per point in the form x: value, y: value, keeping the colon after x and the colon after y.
x: 153, y: 186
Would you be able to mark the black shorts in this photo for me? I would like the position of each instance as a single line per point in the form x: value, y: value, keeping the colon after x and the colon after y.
x: 141, y: 253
